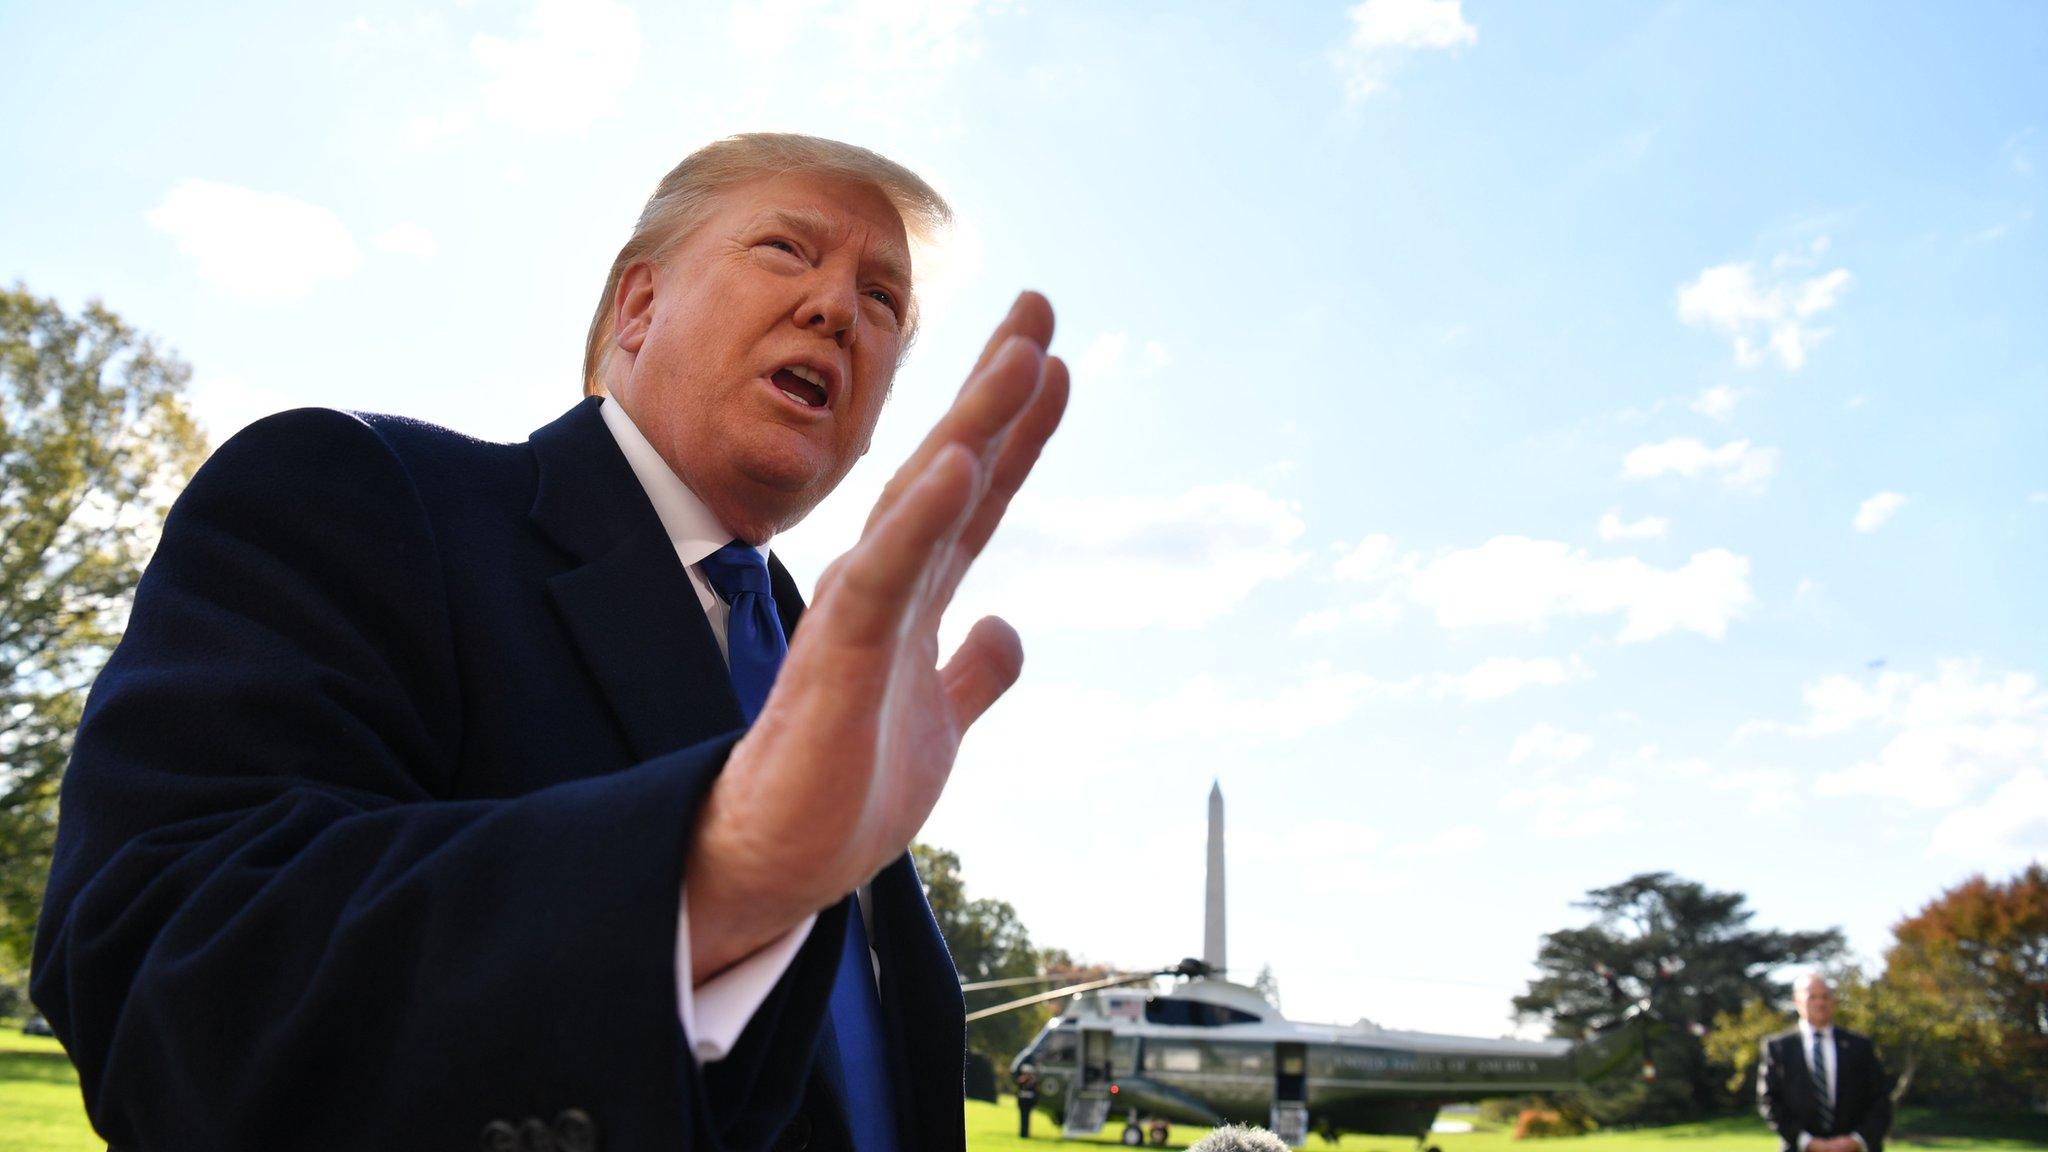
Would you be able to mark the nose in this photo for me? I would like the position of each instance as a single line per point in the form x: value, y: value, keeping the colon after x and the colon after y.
x: 831, y: 308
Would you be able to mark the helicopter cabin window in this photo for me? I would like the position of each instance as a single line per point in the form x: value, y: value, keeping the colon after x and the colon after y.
x: 1059, y: 1048
x: 1159, y: 1010
x: 1167, y: 1056
x: 1247, y: 1060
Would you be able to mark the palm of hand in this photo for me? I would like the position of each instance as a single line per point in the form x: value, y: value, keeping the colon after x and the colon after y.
x: 859, y: 736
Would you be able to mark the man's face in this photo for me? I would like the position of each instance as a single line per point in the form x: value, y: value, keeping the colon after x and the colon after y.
x: 765, y: 343
x: 1816, y: 1002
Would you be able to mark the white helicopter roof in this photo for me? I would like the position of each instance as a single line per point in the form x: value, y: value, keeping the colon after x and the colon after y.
x: 1126, y: 1007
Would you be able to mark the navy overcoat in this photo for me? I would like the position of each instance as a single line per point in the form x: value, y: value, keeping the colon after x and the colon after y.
x: 374, y: 830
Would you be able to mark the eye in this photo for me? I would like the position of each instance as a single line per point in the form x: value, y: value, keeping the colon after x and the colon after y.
x: 781, y: 245
x: 887, y: 297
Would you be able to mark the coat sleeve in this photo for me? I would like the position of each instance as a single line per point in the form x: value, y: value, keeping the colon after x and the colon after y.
x: 1770, y: 1097
x: 1876, y: 1122
x: 267, y: 923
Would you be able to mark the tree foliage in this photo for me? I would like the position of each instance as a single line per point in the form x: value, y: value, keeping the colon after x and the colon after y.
x: 1267, y: 985
x: 95, y: 439
x: 1686, y: 952
x: 989, y: 942
x: 1978, y: 954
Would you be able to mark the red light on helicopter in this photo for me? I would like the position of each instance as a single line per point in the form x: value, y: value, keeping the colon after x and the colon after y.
x: 1112, y: 1089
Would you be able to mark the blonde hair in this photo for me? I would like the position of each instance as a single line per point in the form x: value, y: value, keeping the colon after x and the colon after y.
x: 683, y: 200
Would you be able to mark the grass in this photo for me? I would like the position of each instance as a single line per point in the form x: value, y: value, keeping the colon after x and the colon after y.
x: 993, y: 1128
x: 40, y: 1112
x: 39, y: 1106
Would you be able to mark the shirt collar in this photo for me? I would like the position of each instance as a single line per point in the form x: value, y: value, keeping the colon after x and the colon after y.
x: 1806, y: 1033
x: 691, y: 527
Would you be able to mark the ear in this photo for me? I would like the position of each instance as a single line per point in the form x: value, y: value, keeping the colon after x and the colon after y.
x: 633, y: 307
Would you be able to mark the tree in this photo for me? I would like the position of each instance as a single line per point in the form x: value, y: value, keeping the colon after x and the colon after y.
x: 1268, y: 985
x: 1979, y: 951
x: 1686, y: 952
x: 95, y: 439
x: 988, y: 942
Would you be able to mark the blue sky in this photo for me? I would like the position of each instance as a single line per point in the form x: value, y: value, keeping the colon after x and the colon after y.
x: 1513, y: 447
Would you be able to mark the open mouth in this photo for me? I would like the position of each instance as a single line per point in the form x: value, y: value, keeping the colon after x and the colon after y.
x: 801, y: 384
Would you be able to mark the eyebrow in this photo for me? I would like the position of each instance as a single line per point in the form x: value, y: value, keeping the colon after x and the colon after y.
x: 888, y: 257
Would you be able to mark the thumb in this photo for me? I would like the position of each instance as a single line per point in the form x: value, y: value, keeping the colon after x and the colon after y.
x: 982, y: 669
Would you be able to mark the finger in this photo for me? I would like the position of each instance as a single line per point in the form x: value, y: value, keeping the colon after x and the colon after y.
x: 873, y: 585
x: 984, y: 667
x: 1029, y: 316
x: 989, y: 403
x: 1019, y: 453
x: 1030, y: 319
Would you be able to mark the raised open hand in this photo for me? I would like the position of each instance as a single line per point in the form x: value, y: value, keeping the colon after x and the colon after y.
x: 858, y: 738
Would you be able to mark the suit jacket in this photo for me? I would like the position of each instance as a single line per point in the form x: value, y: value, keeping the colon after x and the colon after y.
x: 1789, y: 1102
x: 375, y: 826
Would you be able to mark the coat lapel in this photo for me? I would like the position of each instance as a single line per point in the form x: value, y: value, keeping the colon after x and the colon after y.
x: 628, y: 603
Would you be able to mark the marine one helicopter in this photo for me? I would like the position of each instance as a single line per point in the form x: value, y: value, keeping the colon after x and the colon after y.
x: 1213, y: 1052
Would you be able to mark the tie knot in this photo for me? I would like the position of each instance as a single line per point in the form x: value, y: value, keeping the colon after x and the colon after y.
x: 735, y: 569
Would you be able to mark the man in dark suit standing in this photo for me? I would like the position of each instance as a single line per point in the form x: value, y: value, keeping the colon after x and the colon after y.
x: 1822, y: 1087
x: 446, y: 794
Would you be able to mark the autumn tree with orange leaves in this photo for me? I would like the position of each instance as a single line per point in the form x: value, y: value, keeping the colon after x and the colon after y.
x: 1981, y: 948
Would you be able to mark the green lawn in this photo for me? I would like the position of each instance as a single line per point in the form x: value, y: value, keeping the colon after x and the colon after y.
x: 40, y: 1112
x: 39, y: 1106
x: 993, y: 1128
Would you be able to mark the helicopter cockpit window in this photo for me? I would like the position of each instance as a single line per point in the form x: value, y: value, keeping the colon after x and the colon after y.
x: 1059, y: 1048
x: 1159, y: 1010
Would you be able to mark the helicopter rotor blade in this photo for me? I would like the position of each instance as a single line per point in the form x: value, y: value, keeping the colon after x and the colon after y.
x: 1056, y: 993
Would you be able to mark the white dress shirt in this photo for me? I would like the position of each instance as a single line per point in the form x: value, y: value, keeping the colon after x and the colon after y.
x: 715, y: 1012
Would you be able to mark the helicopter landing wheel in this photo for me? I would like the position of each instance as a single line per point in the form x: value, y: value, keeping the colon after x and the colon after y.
x: 1134, y: 1136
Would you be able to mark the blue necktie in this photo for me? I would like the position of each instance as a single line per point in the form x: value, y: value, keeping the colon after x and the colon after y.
x: 754, y: 647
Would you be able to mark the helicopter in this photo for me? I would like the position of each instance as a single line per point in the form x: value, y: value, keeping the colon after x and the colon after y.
x: 1213, y: 1052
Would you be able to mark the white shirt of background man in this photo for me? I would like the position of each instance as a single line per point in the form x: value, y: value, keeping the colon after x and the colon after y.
x: 1830, y: 1072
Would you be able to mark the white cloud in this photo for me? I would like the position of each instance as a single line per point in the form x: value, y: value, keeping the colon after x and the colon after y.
x: 1457, y: 840
x: 1874, y: 512
x: 1104, y: 361
x: 263, y: 247
x: 1718, y: 402
x: 2009, y: 829
x: 1499, y: 676
x: 1547, y: 744
x: 1382, y: 609
x: 1572, y: 811
x: 1944, y: 735
x: 407, y: 239
x: 1772, y: 315
x: 1410, y: 24
x: 1381, y: 29
x: 1515, y: 580
x: 1738, y: 464
x: 567, y: 68
x: 2037, y: 497
x: 890, y: 56
x: 1368, y: 560
x: 1183, y: 560
x: 1612, y: 527
x: 1204, y: 708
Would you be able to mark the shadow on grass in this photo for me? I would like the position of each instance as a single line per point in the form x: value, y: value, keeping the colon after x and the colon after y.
x: 36, y: 1068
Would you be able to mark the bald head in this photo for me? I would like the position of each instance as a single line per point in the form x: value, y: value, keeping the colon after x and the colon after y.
x: 1815, y: 999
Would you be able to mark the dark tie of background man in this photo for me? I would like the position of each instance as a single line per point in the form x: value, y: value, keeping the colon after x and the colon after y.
x: 755, y: 646
x: 1818, y: 1063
